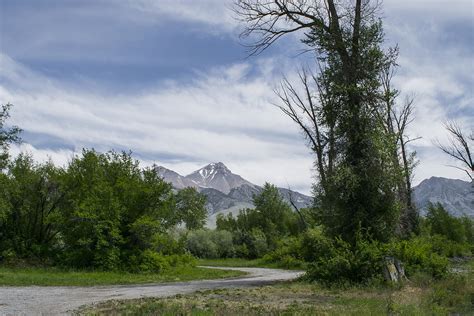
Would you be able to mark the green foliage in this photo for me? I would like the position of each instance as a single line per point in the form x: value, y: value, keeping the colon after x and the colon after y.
x: 191, y: 208
x: 149, y: 261
x: 288, y: 253
x: 200, y: 244
x: 30, y: 216
x: 340, y: 262
x: 257, y: 231
x: 440, y: 222
x: 420, y: 255
x: 114, y: 210
x: 210, y: 244
x: 101, y: 211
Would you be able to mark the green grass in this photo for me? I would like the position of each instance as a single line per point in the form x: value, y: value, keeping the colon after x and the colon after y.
x: 420, y: 296
x: 54, y: 276
x: 241, y: 263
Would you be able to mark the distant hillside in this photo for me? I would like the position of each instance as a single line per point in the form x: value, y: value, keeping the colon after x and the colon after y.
x: 456, y: 196
x: 225, y: 191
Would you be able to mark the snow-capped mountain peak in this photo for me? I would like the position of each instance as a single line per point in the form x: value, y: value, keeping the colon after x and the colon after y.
x: 213, y: 169
x: 217, y: 176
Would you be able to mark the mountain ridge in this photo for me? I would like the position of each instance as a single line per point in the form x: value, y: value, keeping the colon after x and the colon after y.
x: 227, y: 192
x: 456, y: 196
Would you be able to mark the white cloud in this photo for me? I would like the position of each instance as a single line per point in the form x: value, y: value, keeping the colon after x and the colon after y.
x: 216, y: 13
x: 223, y: 115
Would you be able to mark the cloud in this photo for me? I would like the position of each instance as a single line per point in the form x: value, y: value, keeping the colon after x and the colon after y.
x: 216, y: 13
x: 222, y: 111
x: 222, y: 115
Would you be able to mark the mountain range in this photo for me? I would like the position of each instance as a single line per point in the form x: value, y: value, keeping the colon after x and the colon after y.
x: 227, y: 192
x: 456, y: 196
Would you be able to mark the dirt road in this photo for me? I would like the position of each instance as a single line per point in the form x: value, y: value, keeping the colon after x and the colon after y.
x: 62, y: 300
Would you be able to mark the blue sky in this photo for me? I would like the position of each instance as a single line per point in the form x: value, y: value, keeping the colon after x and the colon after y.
x: 170, y: 80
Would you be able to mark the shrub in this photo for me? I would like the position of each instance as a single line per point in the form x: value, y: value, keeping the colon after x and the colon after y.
x: 420, y: 255
x: 338, y: 261
x: 224, y: 243
x: 201, y: 245
x: 258, y: 244
x: 442, y: 223
x: 287, y: 254
x: 152, y: 262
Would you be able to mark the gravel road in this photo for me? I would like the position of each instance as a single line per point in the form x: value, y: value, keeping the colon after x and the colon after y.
x: 62, y: 300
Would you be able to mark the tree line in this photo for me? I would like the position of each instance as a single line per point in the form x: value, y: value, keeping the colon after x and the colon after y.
x: 100, y: 211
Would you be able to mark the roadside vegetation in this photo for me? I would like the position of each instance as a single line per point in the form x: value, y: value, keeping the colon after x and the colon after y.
x: 61, y: 277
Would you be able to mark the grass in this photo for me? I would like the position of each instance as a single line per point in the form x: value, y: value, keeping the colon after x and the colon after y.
x: 238, y: 262
x: 420, y: 296
x: 59, y: 277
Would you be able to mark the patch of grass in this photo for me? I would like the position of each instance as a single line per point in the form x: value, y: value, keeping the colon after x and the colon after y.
x: 452, y: 295
x: 55, y: 276
x: 242, y: 263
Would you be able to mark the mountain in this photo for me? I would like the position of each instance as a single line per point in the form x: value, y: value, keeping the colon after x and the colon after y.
x: 456, y: 196
x: 226, y: 192
x: 177, y: 180
x: 217, y: 176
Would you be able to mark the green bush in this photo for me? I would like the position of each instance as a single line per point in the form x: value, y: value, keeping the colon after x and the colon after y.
x: 151, y: 261
x: 210, y: 244
x: 419, y: 255
x: 340, y: 262
x: 287, y: 254
x: 223, y: 240
x: 200, y: 243
x: 440, y: 222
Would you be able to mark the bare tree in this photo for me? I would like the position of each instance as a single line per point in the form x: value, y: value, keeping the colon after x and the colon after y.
x: 304, y: 105
x: 396, y: 119
x: 460, y: 148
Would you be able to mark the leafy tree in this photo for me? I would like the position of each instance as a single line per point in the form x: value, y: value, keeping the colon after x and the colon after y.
x: 31, y: 220
x: 191, y: 208
x: 114, y: 209
x: 226, y: 222
x: 273, y: 212
x: 358, y: 178
x: 442, y: 223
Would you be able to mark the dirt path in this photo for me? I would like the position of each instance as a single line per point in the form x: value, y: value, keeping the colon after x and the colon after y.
x: 60, y: 300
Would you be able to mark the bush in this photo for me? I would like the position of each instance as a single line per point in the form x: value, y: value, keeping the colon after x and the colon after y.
x: 224, y: 243
x: 201, y: 245
x: 151, y: 261
x: 420, y: 255
x: 287, y: 254
x: 211, y: 244
x: 340, y: 262
x: 440, y: 222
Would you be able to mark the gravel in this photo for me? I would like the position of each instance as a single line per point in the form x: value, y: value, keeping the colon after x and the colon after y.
x: 64, y: 300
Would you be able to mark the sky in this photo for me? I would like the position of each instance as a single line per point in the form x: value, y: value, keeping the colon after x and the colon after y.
x: 171, y: 81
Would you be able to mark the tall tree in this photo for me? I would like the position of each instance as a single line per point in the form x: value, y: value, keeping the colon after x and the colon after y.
x: 191, y: 208
x: 354, y: 153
